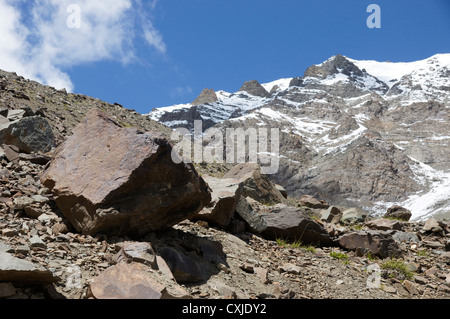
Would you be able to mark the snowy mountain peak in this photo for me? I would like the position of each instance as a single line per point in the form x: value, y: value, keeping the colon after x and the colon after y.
x: 353, y: 132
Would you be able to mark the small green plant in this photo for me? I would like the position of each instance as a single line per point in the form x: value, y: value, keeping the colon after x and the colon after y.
x: 397, y: 268
x: 423, y: 253
x: 357, y: 226
x: 310, y: 248
x: 295, y: 245
x: 337, y: 255
x: 371, y: 257
x: 281, y: 242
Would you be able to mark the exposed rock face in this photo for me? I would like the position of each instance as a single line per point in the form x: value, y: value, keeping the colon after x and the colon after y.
x: 256, y: 184
x: 111, y: 179
x: 207, y: 96
x: 254, y: 88
x: 225, y: 196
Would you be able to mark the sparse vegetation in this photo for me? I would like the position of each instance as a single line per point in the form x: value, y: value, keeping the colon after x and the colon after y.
x: 339, y: 255
x: 423, y: 253
x: 397, y: 268
x: 296, y: 245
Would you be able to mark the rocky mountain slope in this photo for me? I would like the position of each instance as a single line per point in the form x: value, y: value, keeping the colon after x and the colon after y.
x: 358, y: 133
x: 91, y: 206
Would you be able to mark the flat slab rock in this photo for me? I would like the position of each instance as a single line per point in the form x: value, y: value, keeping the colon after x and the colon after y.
x: 13, y: 269
x: 116, y: 180
x: 134, y: 281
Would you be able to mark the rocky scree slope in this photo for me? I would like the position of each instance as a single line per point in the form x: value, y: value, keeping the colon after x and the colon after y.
x: 357, y: 133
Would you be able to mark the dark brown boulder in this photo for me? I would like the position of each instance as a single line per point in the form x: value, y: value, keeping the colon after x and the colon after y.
x: 376, y: 242
x: 116, y: 180
x: 398, y: 212
x: 294, y: 224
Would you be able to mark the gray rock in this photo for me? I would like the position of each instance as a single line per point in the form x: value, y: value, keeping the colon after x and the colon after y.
x: 29, y: 134
x: 13, y: 269
x: 353, y: 215
x: 14, y: 115
x: 254, y: 221
x: 37, y: 242
x: 224, y: 198
x: 405, y: 237
x: 331, y: 215
x: 139, y: 252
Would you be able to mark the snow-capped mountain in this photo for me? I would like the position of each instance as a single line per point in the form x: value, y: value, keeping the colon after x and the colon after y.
x: 353, y: 132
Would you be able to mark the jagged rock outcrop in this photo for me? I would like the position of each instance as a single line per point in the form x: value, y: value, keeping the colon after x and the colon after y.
x: 207, y: 96
x: 117, y: 180
x: 225, y: 196
x: 255, y: 184
x: 253, y: 87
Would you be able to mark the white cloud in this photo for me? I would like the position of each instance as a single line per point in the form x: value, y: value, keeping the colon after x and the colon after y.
x: 154, y: 38
x: 42, y: 47
x: 180, y: 91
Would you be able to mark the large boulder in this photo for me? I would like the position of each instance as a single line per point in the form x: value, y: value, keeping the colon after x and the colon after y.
x: 225, y: 196
x: 384, y: 224
x: 376, y: 242
x: 398, y: 212
x: 312, y: 202
x: 29, y: 134
x: 353, y: 216
x: 115, y: 180
x: 256, y: 184
x: 253, y: 219
x: 293, y: 224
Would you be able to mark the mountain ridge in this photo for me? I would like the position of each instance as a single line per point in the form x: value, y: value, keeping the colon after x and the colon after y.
x: 341, y: 103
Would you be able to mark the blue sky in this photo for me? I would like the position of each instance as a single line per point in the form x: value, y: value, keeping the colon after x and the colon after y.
x: 146, y: 54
